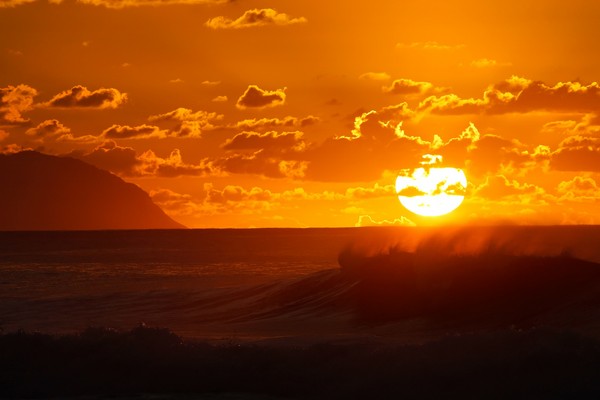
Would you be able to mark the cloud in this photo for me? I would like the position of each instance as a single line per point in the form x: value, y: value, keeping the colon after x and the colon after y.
x: 13, y: 148
x: 134, y: 132
x: 211, y: 83
x: 81, y: 97
x: 14, y: 101
x: 577, y: 153
x: 237, y: 199
x: 189, y: 123
x: 589, y: 124
x: 375, y: 144
x: 498, y: 187
x: 488, y: 63
x: 379, y: 143
x: 84, y: 139
x: 14, y: 3
x: 361, y: 193
x: 232, y: 193
x: 170, y: 167
x: 175, y: 204
x: 165, y: 195
x: 411, y: 191
x: 230, y: 199
x: 267, y: 141
x: 484, y: 154
x: 50, y: 127
x: 111, y: 157
x: 375, y: 76
x: 143, y: 3
x: 429, y: 46
x: 366, y: 220
x: 261, y: 162
x: 118, y: 4
x: 407, y: 86
x: 269, y: 123
x: 3, y: 135
x: 519, y: 95
x: 253, y: 18
x: 125, y: 161
x: 219, y: 99
x: 255, y: 97
x: 579, y: 189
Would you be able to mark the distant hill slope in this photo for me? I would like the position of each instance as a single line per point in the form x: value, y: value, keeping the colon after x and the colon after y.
x: 43, y: 192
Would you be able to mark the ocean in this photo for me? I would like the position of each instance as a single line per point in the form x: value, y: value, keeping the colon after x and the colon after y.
x: 66, y: 281
x: 227, y: 282
x: 477, y: 312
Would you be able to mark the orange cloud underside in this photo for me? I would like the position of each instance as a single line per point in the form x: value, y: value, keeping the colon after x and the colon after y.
x: 232, y: 115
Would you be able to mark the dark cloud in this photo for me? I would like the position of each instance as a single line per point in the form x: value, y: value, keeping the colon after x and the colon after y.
x: 118, y: 4
x: 50, y: 127
x: 111, y: 157
x: 407, y: 87
x: 14, y: 101
x: 268, y: 141
x: 133, y: 132
x: 126, y: 162
x: 411, y: 191
x: 377, y: 143
x: 577, y: 153
x: 270, y: 123
x: 261, y: 163
x: 519, y: 95
x: 188, y: 122
x: 81, y: 97
x: 255, y: 97
x: 174, y: 203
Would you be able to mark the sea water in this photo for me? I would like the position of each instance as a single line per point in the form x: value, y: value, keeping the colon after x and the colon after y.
x: 211, y: 282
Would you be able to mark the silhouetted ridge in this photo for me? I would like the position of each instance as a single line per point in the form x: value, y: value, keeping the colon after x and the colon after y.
x: 43, y: 192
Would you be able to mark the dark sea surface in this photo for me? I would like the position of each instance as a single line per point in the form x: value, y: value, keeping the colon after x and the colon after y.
x: 413, y: 313
x: 269, y: 283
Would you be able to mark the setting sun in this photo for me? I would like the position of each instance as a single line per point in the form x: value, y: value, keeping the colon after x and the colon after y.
x: 431, y: 192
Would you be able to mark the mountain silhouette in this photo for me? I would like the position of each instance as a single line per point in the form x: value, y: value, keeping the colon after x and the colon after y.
x: 44, y: 192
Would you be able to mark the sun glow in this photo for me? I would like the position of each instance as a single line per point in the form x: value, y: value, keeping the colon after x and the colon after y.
x: 430, y: 191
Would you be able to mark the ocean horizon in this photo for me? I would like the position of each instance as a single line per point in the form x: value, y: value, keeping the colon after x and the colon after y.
x: 211, y: 282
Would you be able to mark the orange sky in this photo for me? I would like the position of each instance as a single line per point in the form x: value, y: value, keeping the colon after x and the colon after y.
x: 302, y: 113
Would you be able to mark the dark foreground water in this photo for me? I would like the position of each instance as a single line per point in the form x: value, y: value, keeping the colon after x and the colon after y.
x: 479, y: 312
x: 289, y: 282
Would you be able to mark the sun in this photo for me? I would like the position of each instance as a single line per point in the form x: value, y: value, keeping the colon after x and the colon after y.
x: 431, y: 191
